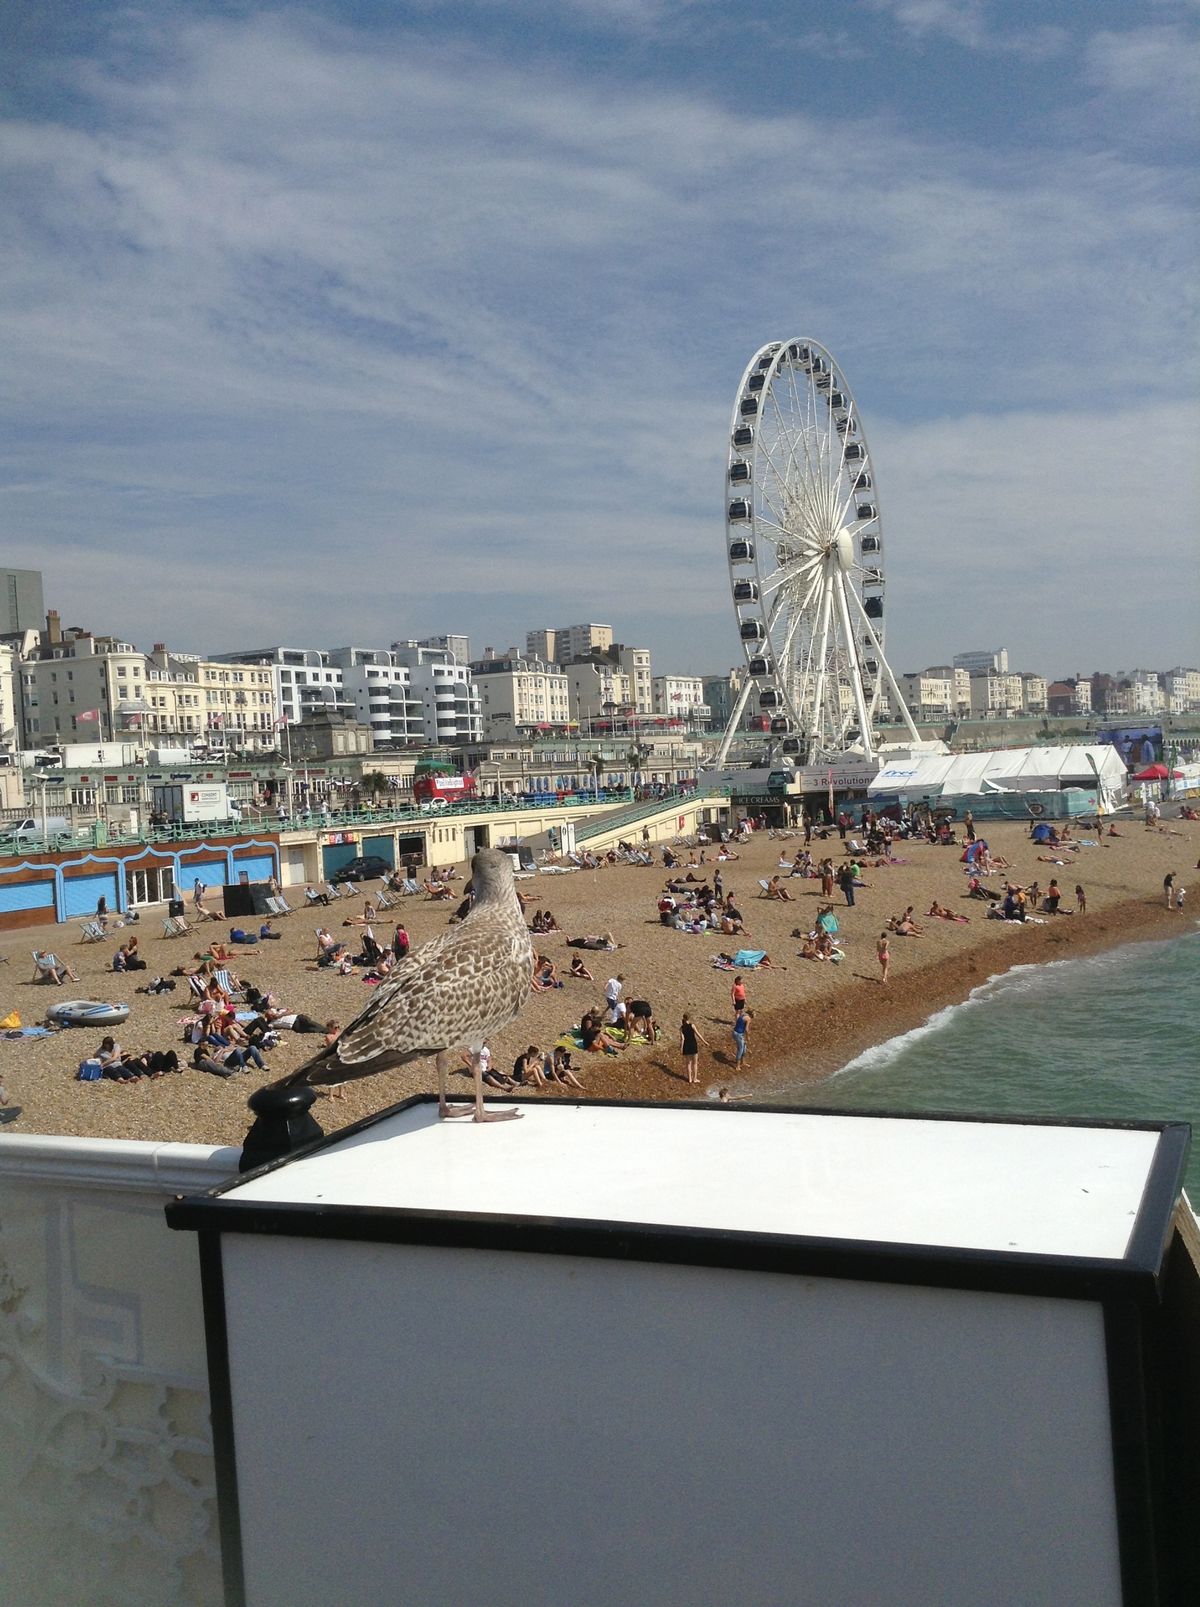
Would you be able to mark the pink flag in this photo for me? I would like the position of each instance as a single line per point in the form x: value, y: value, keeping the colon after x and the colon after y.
x: 88, y: 714
x: 281, y: 722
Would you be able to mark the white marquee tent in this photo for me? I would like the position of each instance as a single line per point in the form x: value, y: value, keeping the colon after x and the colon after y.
x: 1006, y: 770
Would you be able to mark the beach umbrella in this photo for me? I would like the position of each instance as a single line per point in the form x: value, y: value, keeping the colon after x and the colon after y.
x: 1156, y: 772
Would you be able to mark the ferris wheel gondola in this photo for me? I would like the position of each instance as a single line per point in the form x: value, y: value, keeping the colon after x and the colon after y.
x: 804, y: 545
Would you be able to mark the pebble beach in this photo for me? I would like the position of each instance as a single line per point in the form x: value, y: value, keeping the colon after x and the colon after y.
x: 809, y: 1018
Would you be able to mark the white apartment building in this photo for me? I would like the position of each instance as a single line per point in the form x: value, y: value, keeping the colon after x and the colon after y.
x: 520, y: 695
x: 189, y: 699
x: 930, y: 694
x: 1146, y: 693
x: 598, y: 690
x: 304, y: 680
x: 635, y: 663
x: 10, y: 696
x: 1181, y: 689
x: 449, y: 698
x: 1033, y: 692
x: 382, y: 695
x: 410, y: 693
x: 78, y: 674
x: 993, y: 658
x: 996, y: 695
x: 565, y: 642
x: 681, y: 697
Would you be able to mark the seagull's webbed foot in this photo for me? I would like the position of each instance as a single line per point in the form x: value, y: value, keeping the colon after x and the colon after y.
x: 446, y: 1111
x: 482, y: 1114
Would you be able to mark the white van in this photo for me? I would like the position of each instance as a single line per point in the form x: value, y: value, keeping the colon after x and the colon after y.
x: 19, y: 831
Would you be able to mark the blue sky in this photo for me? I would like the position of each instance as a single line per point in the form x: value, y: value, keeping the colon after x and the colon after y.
x: 348, y: 322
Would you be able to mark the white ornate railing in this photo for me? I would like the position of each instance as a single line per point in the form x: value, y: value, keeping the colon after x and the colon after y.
x: 106, y: 1471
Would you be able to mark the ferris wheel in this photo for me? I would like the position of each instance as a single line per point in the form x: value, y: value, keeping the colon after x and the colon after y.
x: 804, y: 545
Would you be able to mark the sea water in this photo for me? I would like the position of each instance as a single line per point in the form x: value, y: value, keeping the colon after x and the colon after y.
x: 1113, y: 1035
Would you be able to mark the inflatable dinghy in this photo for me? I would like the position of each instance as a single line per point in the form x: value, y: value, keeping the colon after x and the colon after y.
x: 88, y: 1013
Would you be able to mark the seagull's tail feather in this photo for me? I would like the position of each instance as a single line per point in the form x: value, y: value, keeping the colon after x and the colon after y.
x: 326, y: 1068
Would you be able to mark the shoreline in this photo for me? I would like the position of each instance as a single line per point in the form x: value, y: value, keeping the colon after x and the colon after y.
x: 810, y: 1019
x: 832, y: 1031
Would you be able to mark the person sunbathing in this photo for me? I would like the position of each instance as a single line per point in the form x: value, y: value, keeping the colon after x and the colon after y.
x: 944, y: 914
x: 808, y: 949
x: 775, y: 889
x: 439, y: 890
x: 578, y: 969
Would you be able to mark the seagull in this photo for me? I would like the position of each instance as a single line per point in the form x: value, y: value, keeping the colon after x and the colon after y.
x: 452, y: 993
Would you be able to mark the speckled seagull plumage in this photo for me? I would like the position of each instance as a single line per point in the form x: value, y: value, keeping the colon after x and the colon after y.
x: 449, y: 994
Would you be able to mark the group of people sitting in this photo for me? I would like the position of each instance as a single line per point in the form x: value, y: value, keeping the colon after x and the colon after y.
x: 533, y: 1068
x: 700, y: 909
x: 375, y: 962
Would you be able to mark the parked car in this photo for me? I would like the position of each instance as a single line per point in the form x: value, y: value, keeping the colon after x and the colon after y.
x: 366, y: 868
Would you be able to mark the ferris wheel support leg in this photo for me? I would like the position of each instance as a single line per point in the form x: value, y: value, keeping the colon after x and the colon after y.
x: 817, y: 722
x: 860, y: 703
x: 734, y: 721
x: 897, y: 697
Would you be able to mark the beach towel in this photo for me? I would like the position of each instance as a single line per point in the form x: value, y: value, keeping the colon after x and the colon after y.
x: 747, y: 959
x: 28, y: 1032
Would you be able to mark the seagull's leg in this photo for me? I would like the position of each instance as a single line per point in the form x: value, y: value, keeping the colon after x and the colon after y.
x: 482, y: 1114
x: 444, y: 1109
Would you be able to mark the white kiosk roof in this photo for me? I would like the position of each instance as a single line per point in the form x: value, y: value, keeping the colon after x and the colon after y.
x: 966, y: 1184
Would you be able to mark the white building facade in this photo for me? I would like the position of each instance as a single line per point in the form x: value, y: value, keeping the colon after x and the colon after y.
x: 519, y: 695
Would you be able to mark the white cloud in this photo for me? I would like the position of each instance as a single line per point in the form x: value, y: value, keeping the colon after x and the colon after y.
x: 1155, y: 71
x: 975, y: 26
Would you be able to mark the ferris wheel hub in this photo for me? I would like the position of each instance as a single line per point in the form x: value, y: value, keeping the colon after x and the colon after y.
x: 843, y: 546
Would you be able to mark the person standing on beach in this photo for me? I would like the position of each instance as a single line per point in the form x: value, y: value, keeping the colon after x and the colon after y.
x: 737, y: 994
x: 969, y: 826
x: 1080, y: 900
x: 690, y: 1040
x: 198, y: 896
x: 845, y: 880
x: 883, y: 955
x: 741, y: 1030
x: 1169, y: 888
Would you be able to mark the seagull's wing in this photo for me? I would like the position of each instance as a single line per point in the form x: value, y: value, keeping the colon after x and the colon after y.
x: 448, y: 994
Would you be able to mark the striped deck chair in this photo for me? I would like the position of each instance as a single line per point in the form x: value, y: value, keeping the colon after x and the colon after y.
x: 92, y: 932
x: 226, y: 983
x: 383, y: 901
x: 197, y: 984
x: 175, y: 926
x: 409, y: 886
x: 277, y: 906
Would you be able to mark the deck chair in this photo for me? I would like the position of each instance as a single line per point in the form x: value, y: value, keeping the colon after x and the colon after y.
x: 765, y: 885
x: 409, y: 886
x: 279, y: 905
x: 435, y: 892
x: 92, y: 932
x: 46, y: 966
x: 175, y: 926
x: 197, y: 984
x: 225, y: 982
x: 312, y: 897
x: 331, y: 891
x: 384, y: 901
